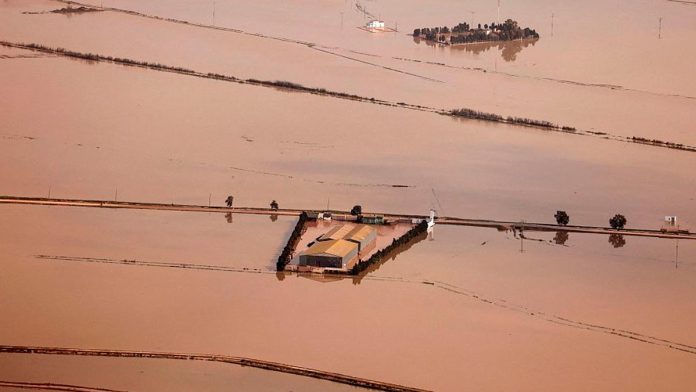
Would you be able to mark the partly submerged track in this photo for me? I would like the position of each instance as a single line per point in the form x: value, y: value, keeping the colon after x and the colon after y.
x: 242, y: 361
x: 496, y: 224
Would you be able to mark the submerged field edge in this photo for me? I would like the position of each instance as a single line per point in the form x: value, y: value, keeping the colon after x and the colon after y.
x: 242, y: 361
x: 466, y: 113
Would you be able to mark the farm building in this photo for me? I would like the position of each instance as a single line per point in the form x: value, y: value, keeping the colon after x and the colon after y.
x: 330, y: 254
x: 375, y: 24
x: 336, y: 233
x: 365, y: 236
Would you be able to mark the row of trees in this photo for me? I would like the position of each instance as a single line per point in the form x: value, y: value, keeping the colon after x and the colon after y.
x: 289, y: 248
x: 618, y: 221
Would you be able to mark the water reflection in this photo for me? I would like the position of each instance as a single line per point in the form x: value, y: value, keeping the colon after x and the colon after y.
x: 508, y: 49
x: 274, y: 217
x: 391, y: 256
x: 617, y: 240
x: 228, y: 217
x: 560, y: 238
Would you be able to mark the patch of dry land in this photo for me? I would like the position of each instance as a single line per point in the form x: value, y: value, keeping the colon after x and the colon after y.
x: 459, y: 309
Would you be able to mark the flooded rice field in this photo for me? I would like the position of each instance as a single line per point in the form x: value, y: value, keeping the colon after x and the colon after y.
x: 623, y: 97
x: 437, y: 316
x: 458, y: 309
x: 153, y: 136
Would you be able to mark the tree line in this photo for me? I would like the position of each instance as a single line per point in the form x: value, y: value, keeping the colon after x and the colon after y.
x: 463, y: 33
x: 291, y: 245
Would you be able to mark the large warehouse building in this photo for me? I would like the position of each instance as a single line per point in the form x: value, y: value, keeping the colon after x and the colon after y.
x: 330, y: 254
x: 340, y: 247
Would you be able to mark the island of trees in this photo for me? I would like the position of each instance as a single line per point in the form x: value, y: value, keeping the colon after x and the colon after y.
x: 463, y: 33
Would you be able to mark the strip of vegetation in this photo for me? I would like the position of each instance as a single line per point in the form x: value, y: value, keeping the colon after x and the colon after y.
x: 70, y: 10
x: 463, y: 33
x: 420, y: 228
x: 656, y: 142
x: 477, y: 115
x: 294, y: 239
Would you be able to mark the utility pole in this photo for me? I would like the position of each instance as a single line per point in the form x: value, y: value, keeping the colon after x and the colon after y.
x: 213, y: 13
x: 552, y: 15
x: 116, y: 195
x: 659, y: 30
x: 341, y: 20
x: 209, y: 197
x: 498, y: 21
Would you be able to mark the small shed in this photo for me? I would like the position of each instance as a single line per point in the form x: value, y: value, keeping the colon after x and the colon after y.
x: 375, y: 24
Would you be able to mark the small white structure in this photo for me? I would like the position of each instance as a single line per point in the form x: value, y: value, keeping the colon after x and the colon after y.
x: 431, y: 221
x: 671, y: 220
x: 375, y: 24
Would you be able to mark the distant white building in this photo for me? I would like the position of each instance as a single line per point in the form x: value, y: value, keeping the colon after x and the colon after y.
x: 375, y: 24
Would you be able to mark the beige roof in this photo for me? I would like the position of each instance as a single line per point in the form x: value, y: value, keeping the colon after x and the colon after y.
x: 359, y: 233
x: 338, y: 248
x: 337, y: 233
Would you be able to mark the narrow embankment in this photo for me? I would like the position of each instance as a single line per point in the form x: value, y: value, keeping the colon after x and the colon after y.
x: 50, y: 386
x: 489, y: 223
x: 242, y: 361
x: 466, y: 113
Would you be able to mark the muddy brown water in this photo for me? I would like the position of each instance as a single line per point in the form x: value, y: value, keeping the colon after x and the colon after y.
x: 391, y: 326
x: 574, y: 78
x: 150, y: 136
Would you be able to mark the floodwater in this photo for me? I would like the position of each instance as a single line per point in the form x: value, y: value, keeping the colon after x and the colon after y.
x: 462, y: 309
x: 109, y: 131
x: 620, y: 78
x: 391, y: 326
